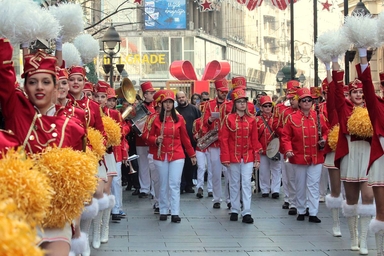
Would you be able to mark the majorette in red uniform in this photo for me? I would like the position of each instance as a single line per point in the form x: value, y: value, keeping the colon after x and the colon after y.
x: 31, y: 114
x: 169, y: 133
x: 121, y: 154
x: 288, y: 174
x: 153, y: 149
x: 88, y: 89
x: 375, y: 106
x: 142, y: 148
x: 199, y: 131
x: 268, y: 167
x: 212, y: 121
x: 352, y: 156
x: 333, y: 200
x: 93, y: 113
x: 300, y: 141
x: 239, y: 152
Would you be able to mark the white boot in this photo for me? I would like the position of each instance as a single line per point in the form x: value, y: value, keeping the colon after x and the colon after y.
x: 350, y: 211
x: 79, y: 245
x: 334, y: 203
x: 103, y: 204
x: 105, y: 220
x: 377, y: 227
x: 366, y: 211
x: 90, y: 212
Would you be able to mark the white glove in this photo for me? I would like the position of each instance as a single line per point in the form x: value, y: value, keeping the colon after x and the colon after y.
x: 327, y: 66
x: 25, y: 45
x: 362, y: 52
x: 335, y: 59
x: 59, y: 43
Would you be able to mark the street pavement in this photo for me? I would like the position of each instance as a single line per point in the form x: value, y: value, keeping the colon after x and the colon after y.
x: 205, y: 231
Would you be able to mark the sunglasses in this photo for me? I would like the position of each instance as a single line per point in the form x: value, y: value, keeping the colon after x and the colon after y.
x: 306, y: 100
x: 205, y: 99
x: 267, y: 106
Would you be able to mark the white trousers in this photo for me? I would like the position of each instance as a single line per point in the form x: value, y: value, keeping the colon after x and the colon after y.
x: 290, y: 172
x: 226, y: 185
x: 144, y: 175
x: 284, y: 178
x: 307, y: 187
x: 154, y: 180
x: 169, y: 181
x: 209, y: 171
x: 269, y: 175
x: 240, y: 174
x: 201, y: 160
x: 323, y: 187
x: 216, y: 173
x: 117, y: 190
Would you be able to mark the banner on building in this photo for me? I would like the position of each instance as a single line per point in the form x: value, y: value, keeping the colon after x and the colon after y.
x: 165, y: 14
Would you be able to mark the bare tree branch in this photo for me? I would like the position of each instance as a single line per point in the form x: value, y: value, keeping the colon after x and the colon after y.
x: 109, y: 15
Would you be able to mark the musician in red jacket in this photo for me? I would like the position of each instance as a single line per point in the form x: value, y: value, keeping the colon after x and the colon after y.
x: 268, y: 167
x: 212, y: 121
x: 352, y: 157
x: 239, y: 152
x: 375, y: 106
x: 168, y: 132
x: 302, y: 127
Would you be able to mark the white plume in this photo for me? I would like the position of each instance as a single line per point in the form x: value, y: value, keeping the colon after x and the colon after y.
x: 380, y: 28
x: 70, y: 17
x: 361, y: 30
x: 331, y: 44
x: 24, y: 21
x: 71, y: 55
x: 87, y: 46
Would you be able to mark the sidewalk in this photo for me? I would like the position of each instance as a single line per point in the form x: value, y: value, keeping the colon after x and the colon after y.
x: 205, y: 231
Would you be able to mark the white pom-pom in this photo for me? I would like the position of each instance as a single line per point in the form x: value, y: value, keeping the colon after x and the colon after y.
x: 361, y: 30
x: 79, y: 245
x: 24, y: 21
x: 331, y: 44
x: 70, y: 17
x: 87, y: 46
x: 380, y: 28
x: 71, y: 55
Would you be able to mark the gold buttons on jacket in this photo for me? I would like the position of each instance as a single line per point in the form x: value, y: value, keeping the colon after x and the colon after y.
x: 54, y: 135
x: 31, y: 137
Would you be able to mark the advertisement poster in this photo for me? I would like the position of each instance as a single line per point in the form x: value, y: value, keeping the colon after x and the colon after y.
x: 165, y: 14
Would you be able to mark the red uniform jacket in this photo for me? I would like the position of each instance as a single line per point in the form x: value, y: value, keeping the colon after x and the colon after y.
x: 8, y: 140
x: 175, y: 138
x: 265, y: 135
x: 139, y: 139
x: 375, y: 106
x: 300, y: 135
x: 34, y: 130
x: 212, y: 106
x: 239, y: 139
x: 120, y: 151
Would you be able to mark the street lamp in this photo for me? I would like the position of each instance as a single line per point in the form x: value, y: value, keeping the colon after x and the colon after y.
x: 280, y: 78
x: 302, y: 78
x: 110, y: 39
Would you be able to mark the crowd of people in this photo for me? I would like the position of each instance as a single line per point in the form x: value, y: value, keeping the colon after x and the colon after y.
x: 225, y: 140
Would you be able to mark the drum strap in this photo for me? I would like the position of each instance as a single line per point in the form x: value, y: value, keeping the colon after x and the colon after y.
x: 269, y: 128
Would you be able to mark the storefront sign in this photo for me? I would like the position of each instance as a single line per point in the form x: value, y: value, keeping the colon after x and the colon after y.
x: 145, y: 59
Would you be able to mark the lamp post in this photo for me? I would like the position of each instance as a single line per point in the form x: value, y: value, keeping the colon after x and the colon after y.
x: 280, y: 78
x: 110, y: 39
x: 302, y: 79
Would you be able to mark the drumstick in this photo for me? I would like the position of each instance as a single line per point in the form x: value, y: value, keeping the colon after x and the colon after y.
x: 161, y: 134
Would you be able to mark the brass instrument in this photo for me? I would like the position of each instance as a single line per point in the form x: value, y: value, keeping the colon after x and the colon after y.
x: 128, y: 92
x: 209, y: 138
x: 131, y: 170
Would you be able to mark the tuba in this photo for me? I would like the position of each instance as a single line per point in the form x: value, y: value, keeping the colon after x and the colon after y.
x: 128, y: 92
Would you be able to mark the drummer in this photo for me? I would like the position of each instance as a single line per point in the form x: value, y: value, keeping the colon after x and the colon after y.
x: 268, y: 167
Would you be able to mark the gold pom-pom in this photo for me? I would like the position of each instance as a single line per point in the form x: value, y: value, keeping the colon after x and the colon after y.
x: 333, y: 137
x: 359, y: 123
x: 96, y: 141
x: 113, y: 131
x: 72, y: 174
x: 21, y: 180
x: 17, y: 237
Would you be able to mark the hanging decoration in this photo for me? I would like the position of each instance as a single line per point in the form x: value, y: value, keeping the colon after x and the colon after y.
x: 326, y: 5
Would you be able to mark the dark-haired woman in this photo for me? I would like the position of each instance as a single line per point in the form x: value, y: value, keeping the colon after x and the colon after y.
x: 37, y: 124
x: 170, y: 135
x: 196, y: 99
x: 239, y: 152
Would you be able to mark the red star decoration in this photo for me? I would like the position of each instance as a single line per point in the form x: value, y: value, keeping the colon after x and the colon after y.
x: 326, y: 5
x: 206, y: 5
x: 137, y: 2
